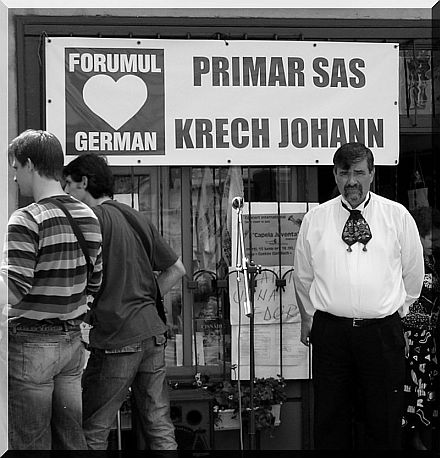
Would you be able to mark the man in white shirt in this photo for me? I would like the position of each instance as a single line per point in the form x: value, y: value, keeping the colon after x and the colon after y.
x: 355, y: 277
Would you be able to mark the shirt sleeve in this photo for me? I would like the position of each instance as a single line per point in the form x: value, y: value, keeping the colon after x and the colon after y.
x: 413, y: 270
x: 20, y: 255
x: 303, y: 271
x: 95, y: 280
x: 163, y: 256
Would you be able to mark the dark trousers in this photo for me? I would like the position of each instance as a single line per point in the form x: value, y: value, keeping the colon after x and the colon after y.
x: 358, y: 377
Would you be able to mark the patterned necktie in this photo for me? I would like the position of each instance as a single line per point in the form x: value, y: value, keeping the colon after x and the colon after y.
x: 356, y: 229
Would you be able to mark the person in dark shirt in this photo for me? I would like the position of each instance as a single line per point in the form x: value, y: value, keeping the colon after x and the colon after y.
x: 127, y: 338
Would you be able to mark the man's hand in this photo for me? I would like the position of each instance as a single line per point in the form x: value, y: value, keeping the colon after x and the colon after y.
x: 406, y: 335
x: 168, y: 278
x: 306, y: 326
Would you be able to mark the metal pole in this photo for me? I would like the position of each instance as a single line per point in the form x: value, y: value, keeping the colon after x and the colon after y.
x: 119, y: 429
x: 249, y: 270
x: 252, y: 269
x: 244, y: 264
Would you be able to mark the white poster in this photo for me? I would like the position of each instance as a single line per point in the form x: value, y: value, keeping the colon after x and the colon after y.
x: 268, y: 231
x: 292, y: 361
x: 277, y: 326
x: 218, y: 102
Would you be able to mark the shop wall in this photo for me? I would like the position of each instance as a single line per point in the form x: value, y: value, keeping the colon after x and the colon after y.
x: 306, y: 14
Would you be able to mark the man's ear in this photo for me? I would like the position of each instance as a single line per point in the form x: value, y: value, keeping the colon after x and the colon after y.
x: 30, y: 165
x: 84, y: 181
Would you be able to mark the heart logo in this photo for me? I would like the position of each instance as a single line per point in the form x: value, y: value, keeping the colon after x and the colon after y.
x: 115, y: 101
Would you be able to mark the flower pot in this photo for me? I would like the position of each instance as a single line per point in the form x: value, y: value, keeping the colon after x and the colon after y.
x: 226, y: 420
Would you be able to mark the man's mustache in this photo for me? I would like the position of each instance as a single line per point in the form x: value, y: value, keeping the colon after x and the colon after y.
x: 356, y: 187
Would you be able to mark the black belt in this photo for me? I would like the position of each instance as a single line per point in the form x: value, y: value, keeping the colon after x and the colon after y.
x: 50, y: 324
x: 355, y: 322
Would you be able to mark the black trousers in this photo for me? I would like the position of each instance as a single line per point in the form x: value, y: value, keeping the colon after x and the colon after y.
x: 358, y: 377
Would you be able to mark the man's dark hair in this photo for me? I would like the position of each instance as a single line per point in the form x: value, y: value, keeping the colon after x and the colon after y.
x: 95, y: 168
x: 42, y: 148
x: 426, y: 218
x: 351, y: 153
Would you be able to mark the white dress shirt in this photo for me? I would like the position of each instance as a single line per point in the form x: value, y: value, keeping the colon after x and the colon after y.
x: 375, y: 283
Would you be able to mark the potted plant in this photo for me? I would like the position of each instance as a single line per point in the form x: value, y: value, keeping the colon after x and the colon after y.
x: 269, y: 394
x: 226, y: 405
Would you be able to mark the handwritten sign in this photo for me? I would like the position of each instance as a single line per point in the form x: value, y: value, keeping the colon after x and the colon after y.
x: 267, y: 309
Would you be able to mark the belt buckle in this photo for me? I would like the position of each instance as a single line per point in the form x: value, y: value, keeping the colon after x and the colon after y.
x: 357, y: 322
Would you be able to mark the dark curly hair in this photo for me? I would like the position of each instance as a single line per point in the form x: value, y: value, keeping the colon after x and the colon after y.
x: 98, y: 172
x: 42, y: 148
x: 426, y: 219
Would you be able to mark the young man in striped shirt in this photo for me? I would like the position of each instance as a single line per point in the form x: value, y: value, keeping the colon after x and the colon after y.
x: 48, y: 280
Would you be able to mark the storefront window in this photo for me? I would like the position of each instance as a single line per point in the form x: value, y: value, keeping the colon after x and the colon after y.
x: 157, y: 192
x: 212, y: 192
x: 212, y: 189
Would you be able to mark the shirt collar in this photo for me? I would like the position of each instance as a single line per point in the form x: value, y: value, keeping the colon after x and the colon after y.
x: 361, y: 207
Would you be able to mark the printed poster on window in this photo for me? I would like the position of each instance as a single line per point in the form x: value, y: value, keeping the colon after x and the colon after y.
x: 219, y: 102
x: 268, y: 230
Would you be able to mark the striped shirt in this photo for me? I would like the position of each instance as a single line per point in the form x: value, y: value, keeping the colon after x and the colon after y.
x: 45, y: 266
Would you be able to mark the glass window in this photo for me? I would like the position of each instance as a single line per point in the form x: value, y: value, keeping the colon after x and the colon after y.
x: 211, y: 191
x: 197, y: 201
x: 156, y: 192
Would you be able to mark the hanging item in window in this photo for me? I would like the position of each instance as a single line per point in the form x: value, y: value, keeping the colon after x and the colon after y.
x: 416, y: 86
x: 233, y: 187
x: 418, y: 193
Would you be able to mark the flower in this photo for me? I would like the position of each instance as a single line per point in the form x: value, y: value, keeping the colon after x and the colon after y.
x: 267, y: 391
x: 225, y: 395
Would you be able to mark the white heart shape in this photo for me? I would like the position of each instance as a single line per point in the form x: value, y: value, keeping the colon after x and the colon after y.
x: 115, y: 101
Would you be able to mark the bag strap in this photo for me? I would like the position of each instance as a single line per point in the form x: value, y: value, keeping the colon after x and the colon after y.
x: 134, y: 223
x: 78, y: 233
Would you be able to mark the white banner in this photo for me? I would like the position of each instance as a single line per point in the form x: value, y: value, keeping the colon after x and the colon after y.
x: 216, y: 102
